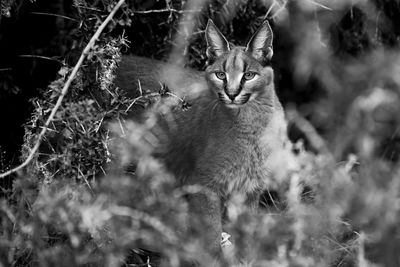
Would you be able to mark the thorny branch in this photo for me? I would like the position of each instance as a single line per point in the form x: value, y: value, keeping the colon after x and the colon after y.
x: 64, y: 91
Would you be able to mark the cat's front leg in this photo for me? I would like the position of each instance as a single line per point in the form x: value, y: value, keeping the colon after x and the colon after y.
x: 205, y: 222
x: 243, y: 237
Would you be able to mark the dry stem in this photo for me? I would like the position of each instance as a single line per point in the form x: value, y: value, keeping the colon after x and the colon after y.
x: 165, y: 10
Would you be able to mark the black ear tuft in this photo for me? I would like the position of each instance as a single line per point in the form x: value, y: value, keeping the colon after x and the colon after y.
x: 216, y: 42
x: 260, y: 44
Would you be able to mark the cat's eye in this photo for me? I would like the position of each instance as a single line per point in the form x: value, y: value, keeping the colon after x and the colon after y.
x: 220, y: 75
x: 249, y: 75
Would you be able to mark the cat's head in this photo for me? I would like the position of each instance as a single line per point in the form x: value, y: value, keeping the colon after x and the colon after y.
x: 239, y: 75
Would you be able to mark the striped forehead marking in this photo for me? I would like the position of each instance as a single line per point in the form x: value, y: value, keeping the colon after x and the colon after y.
x: 234, y: 61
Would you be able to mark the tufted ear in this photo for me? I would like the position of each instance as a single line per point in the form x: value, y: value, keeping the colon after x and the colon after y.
x: 260, y: 44
x: 216, y: 42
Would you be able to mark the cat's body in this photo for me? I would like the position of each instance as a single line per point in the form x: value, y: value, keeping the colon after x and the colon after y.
x: 225, y: 142
x: 225, y: 149
x: 149, y: 74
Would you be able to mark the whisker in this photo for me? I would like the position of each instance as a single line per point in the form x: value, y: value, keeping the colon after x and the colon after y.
x: 215, y: 105
x: 210, y: 103
x: 263, y: 103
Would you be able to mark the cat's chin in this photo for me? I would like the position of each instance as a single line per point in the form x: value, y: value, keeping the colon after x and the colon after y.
x: 237, y: 103
x: 234, y: 105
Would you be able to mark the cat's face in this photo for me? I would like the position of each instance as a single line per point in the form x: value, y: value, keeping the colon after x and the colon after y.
x: 238, y: 75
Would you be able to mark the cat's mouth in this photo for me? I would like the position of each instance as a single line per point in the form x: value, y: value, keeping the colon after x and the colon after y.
x: 236, y: 102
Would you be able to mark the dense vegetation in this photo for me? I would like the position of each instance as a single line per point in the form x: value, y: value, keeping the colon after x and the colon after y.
x: 336, y: 70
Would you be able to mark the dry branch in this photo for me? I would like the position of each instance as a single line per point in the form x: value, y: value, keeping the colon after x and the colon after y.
x: 64, y: 91
x: 165, y: 10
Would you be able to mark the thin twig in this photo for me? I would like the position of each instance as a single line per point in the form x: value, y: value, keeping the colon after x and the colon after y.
x: 54, y: 15
x: 64, y: 91
x: 175, y: 96
x: 41, y: 57
x: 140, y: 87
x: 320, y: 5
x: 86, y: 181
x: 133, y: 102
x: 121, y: 125
x: 5, y: 69
x: 280, y: 9
x: 269, y: 10
x: 139, y: 98
x: 165, y: 10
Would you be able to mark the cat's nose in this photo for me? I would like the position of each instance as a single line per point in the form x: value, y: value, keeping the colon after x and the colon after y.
x: 232, y: 95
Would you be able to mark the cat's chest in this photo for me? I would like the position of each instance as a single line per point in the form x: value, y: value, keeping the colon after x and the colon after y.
x: 234, y: 159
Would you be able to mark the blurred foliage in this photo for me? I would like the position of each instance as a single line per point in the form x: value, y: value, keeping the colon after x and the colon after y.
x: 336, y: 63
